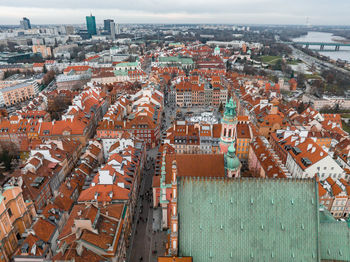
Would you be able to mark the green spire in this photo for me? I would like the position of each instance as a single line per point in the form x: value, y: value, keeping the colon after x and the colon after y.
x: 230, y: 109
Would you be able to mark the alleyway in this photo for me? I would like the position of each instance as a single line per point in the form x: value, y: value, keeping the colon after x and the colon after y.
x: 148, y: 240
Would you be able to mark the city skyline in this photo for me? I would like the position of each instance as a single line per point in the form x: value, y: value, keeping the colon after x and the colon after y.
x: 183, y: 131
x: 222, y: 11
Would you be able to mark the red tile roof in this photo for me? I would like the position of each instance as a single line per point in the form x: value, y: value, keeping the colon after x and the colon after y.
x: 44, y: 229
x: 104, y: 193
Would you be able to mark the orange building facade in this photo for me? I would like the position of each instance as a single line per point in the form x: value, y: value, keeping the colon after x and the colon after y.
x: 15, y: 217
x: 13, y: 94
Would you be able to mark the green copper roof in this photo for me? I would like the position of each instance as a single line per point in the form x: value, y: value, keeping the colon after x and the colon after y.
x: 126, y: 64
x: 230, y: 109
x: 120, y: 73
x: 325, y: 215
x: 334, y: 237
x: 186, y: 60
x: 248, y: 219
x: 232, y: 149
x: 334, y: 241
x: 175, y: 59
x: 232, y: 161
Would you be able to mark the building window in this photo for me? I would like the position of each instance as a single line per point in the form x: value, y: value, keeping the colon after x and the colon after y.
x: 10, y: 212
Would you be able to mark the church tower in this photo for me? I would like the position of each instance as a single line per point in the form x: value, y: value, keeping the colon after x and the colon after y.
x: 228, y: 126
x: 232, y: 163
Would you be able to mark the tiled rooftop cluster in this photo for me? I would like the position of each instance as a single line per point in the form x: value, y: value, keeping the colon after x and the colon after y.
x: 77, y: 123
x: 139, y: 114
x: 47, y: 182
x: 46, y: 168
x: 334, y: 195
x: 204, y: 138
x: 104, y: 210
x: 75, y: 191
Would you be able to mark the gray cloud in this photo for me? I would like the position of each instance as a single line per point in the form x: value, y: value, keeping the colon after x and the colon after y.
x: 186, y: 11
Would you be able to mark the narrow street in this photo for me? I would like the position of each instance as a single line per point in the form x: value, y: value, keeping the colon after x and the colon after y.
x: 147, y: 239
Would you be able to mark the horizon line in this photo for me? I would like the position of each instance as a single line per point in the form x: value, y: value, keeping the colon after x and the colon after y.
x: 187, y: 23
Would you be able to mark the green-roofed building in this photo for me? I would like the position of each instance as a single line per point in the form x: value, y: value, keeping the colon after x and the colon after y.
x: 181, y: 62
x: 127, y: 66
x: 252, y: 219
x: 120, y: 73
x: 121, y: 70
x: 248, y: 220
x: 334, y: 238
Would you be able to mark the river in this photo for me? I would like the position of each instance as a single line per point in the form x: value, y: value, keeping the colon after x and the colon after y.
x: 343, y: 54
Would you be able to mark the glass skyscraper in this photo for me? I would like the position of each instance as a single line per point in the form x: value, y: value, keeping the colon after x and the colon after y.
x: 25, y: 23
x: 91, y: 24
x: 107, y: 25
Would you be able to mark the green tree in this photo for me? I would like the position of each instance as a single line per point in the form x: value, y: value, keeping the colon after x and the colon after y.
x: 48, y: 77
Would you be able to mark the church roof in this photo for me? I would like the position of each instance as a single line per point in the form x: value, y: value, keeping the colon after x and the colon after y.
x: 334, y: 238
x: 248, y: 218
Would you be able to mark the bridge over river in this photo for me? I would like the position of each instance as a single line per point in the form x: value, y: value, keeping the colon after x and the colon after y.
x: 320, y: 44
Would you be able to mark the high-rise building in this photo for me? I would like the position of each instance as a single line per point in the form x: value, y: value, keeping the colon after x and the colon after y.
x: 25, y: 23
x: 118, y: 29
x: 91, y: 24
x: 107, y: 25
x: 112, y: 30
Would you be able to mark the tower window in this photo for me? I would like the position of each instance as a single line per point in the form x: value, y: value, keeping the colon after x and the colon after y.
x: 229, y: 133
x: 225, y: 131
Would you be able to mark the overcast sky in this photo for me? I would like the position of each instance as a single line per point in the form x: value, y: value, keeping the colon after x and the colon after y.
x: 320, y: 12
